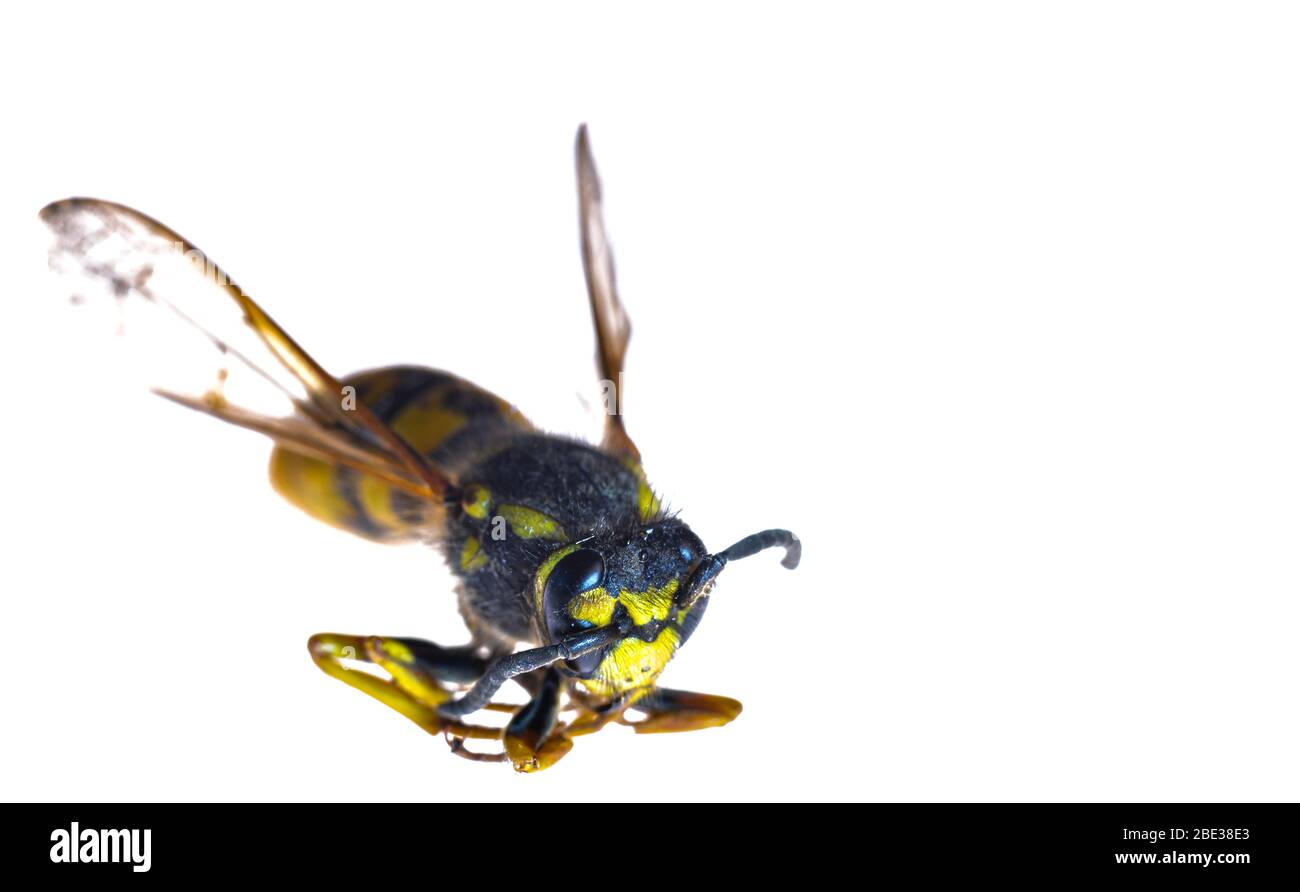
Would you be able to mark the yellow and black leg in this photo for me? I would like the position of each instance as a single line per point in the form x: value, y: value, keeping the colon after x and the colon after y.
x: 417, y: 670
x: 669, y: 710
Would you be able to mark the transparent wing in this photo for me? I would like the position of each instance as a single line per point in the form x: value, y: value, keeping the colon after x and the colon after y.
x: 172, y: 300
x: 613, y: 327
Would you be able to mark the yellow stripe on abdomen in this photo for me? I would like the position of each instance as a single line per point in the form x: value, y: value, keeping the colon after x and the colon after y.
x: 425, y: 407
x: 309, y: 484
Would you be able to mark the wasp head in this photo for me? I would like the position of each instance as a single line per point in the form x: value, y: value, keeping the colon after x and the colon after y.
x: 651, y: 584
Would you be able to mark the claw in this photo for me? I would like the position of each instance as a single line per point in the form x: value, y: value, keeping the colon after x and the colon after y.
x: 526, y: 759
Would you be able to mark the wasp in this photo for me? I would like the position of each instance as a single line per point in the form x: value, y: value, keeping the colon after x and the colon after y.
x: 557, y: 544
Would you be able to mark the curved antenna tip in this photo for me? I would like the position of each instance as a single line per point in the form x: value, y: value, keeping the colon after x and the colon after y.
x: 793, y: 553
x: 751, y: 545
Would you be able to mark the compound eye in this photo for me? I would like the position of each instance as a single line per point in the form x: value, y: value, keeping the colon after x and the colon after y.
x: 574, y: 574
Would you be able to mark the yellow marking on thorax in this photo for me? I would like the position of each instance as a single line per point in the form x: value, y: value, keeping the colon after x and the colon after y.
x: 633, y: 663
x: 529, y: 524
x: 476, y: 501
x: 648, y: 506
x: 471, y: 555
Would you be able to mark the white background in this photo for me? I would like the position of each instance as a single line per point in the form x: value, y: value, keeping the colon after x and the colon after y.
x: 995, y: 305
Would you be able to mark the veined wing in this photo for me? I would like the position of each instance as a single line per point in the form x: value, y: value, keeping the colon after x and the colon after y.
x: 111, y: 252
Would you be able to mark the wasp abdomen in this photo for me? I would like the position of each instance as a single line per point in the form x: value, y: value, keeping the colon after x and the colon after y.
x: 442, y: 416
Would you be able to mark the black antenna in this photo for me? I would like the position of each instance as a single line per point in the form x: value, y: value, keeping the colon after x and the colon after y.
x: 712, y: 564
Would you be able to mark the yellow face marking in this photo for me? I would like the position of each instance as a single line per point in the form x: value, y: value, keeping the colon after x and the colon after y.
x: 476, y: 502
x: 594, y: 606
x: 653, y: 603
x: 529, y: 524
x: 633, y: 663
x: 471, y: 556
